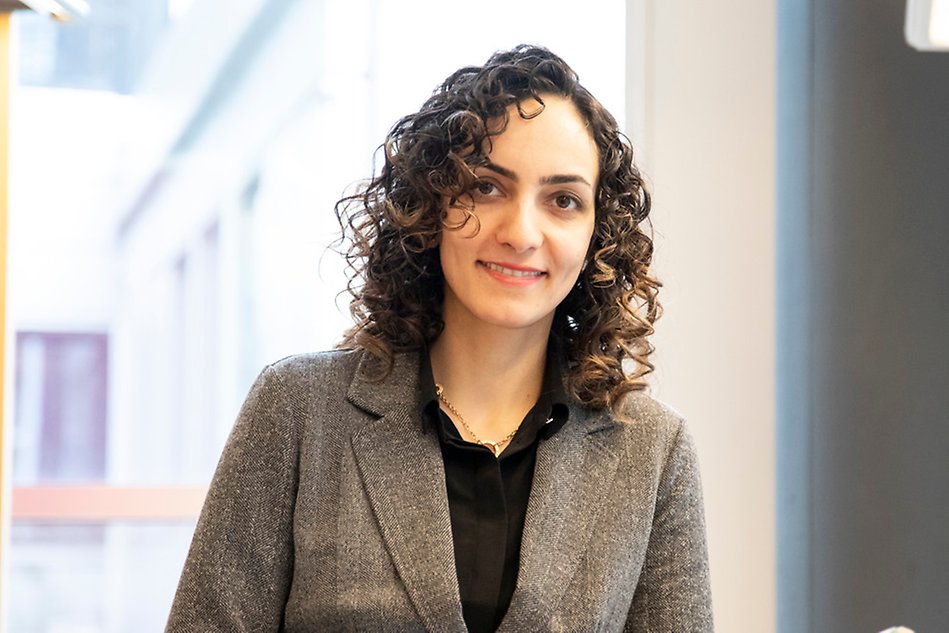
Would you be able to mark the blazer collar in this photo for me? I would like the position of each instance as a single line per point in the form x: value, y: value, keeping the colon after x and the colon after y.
x: 404, y: 477
x: 398, y: 389
x: 574, y: 468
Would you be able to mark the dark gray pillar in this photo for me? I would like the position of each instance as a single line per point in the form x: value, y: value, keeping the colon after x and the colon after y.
x: 863, y: 348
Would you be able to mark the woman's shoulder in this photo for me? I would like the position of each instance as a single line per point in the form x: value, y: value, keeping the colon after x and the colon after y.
x: 641, y: 410
x: 651, y: 425
x: 325, y: 362
x: 328, y: 369
x: 656, y: 443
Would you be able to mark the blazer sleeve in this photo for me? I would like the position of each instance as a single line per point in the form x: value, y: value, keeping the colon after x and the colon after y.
x: 238, y: 571
x: 673, y: 593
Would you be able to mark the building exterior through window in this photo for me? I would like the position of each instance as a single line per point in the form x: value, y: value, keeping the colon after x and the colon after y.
x: 176, y: 166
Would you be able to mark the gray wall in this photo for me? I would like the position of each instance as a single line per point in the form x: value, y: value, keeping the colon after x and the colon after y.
x: 863, y: 321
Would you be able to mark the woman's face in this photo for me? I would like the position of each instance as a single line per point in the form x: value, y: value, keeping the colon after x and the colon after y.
x: 534, y: 203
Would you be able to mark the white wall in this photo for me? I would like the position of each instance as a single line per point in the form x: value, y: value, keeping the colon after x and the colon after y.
x: 702, y: 109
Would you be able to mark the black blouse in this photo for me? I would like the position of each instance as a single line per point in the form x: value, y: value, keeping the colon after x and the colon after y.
x: 487, y: 496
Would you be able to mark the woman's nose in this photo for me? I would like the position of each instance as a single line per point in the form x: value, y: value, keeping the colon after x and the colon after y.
x: 519, y: 226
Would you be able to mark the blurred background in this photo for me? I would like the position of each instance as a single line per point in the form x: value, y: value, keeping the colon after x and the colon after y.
x: 173, y: 166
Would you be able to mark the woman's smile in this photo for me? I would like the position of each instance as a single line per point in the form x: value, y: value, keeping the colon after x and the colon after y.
x: 511, y: 274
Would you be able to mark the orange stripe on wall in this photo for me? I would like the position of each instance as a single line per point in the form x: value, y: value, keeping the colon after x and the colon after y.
x: 106, y: 503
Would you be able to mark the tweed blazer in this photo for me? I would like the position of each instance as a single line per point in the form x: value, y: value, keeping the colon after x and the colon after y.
x: 329, y: 512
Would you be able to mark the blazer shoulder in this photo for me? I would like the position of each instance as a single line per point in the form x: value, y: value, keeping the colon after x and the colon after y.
x: 333, y: 367
x: 652, y: 429
x: 642, y: 411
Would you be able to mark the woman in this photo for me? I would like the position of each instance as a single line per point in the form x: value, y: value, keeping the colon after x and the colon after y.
x: 480, y: 454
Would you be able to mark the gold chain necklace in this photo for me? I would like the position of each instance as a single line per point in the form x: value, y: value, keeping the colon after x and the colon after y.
x: 494, y: 447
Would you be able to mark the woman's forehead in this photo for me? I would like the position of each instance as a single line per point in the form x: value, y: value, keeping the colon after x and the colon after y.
x: 554, y: 138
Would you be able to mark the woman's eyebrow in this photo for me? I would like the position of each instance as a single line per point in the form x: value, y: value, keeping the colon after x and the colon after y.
x: 557, y: 179
x: 502, y: 171
x: 561, y: 179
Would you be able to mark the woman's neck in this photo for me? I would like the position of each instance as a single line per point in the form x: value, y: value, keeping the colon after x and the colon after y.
x: 491, y: 376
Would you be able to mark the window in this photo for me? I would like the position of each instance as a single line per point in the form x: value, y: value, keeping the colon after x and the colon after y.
x: 60, y: 407
x: 175, y: 171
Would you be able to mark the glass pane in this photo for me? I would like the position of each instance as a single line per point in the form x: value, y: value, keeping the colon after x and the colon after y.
x: 104, y: 50
x: 84, y: 578
x: 174, y: 165
x: 192, y: 208
x: 61, y: 401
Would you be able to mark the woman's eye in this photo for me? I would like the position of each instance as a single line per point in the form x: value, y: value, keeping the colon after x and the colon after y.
x: 485, y: 188
x: 563, y: 201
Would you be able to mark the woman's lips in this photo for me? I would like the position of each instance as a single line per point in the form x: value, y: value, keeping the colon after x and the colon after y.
x: 514, y: 271
x: 511, y: 274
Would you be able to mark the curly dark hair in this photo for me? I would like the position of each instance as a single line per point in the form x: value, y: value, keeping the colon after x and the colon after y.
x: 392, y: 227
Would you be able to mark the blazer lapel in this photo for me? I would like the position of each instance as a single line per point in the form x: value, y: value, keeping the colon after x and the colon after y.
x: 573, y: 468
x: 404, y: 478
